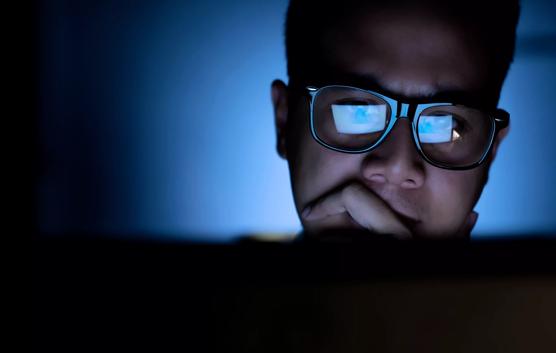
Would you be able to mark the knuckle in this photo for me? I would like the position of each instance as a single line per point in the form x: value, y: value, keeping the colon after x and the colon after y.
x: 346, y: 194
x: 351, y: 190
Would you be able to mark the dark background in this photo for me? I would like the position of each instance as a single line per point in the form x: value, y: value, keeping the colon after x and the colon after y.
x: 154, y: 118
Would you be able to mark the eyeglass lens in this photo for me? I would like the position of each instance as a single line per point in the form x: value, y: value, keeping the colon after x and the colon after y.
x: 353, y: 120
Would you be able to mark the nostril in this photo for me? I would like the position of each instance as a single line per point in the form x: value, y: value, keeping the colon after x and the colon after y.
x: 409, y: 183
x: 378, y: 178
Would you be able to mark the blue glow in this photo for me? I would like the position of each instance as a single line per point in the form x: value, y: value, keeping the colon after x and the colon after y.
x: 156, y: 119
x: 435, y: 128
x: 359, y: 119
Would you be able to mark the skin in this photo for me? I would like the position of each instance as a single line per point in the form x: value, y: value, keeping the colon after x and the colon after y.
x: 390, y: 190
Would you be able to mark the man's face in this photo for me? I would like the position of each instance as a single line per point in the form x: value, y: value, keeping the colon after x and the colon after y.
x: 390, y: 189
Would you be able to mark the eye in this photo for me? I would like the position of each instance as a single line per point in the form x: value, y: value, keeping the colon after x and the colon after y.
x: 436, y: 128
x: 460, y: 127
x: 442, y: 127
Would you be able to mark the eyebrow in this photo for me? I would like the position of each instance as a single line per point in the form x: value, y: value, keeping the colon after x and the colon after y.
x: 371, y: 83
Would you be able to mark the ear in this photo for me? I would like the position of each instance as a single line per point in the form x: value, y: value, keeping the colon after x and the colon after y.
x: 279, y: 95
x: 501, y: 136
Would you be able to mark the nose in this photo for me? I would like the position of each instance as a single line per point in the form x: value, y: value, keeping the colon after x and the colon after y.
x: 396, y: 161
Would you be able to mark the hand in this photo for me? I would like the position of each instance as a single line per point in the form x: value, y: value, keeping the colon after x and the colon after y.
x: 354, y: 204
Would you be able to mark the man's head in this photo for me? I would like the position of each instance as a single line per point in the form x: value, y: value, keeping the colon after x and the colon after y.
x: 410, y: 51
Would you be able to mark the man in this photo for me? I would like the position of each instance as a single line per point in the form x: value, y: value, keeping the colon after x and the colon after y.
x: 389, y: 122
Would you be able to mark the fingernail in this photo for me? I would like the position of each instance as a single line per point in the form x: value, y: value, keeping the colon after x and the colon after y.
x: 306, y: 212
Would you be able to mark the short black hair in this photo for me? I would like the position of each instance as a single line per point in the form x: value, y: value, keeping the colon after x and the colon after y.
x: 493, y: 23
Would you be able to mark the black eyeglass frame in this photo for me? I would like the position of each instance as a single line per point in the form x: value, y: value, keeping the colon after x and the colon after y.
x: 499, y: 118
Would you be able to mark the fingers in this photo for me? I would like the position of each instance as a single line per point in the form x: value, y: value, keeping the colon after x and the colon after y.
x: 326, y: 207
x: 364, y: 207
x: 371, y: 212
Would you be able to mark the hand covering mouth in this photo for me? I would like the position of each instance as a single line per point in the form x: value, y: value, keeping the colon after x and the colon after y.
x: 401, y: 207
x: 409, y: 222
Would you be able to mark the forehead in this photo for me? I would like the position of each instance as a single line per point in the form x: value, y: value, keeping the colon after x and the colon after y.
x: 412, y: 54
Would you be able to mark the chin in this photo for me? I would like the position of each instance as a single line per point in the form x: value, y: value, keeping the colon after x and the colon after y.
x: 436, y: 233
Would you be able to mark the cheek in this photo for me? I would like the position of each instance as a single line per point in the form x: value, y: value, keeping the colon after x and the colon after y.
x: 315, y: 169
x: 452, y: 195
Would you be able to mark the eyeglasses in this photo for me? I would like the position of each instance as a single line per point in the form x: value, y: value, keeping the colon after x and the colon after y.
x: 447, y: 135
